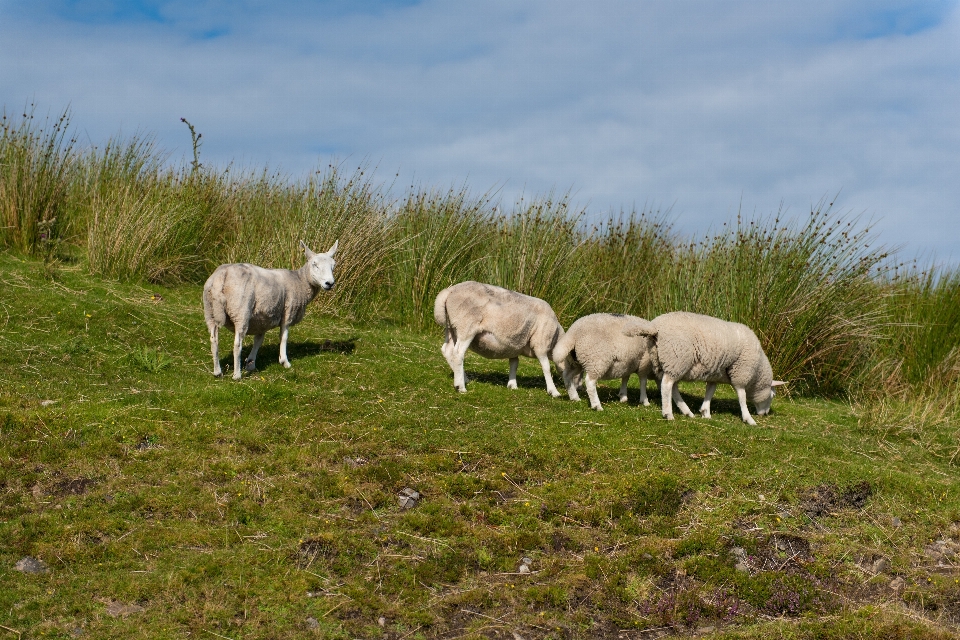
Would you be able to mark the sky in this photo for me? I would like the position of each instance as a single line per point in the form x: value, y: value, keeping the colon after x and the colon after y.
x: 701, y: 108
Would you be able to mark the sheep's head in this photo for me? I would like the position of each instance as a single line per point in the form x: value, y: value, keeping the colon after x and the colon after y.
x: 764, y: 397
x: 320, y: 266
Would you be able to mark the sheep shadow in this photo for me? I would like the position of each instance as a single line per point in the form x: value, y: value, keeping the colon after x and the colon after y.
x: 269, y: 355
x: 500, y: 380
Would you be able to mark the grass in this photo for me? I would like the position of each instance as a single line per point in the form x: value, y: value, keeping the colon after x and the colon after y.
x: 166, y: 502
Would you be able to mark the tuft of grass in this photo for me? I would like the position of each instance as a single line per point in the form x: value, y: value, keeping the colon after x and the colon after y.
x: 36, y: 159
x: 149, y: 359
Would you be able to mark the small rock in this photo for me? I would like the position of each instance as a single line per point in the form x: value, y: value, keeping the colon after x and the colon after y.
x: 524, y: 568
x: 76, y: 632
x: 31, y: 565
x: 742, y: 567
x: 408, y: 498
x: 312, y: 622
x: 881, y: 565
x: 47, y: 403
x: 898, y: 583
x: 382, y: 621
x: 739, y: 552
x: 933, y: 551
x: 896, y: 523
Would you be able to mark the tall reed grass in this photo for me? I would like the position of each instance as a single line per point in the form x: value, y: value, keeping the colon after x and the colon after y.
x: 35, y: 162
x: 831, y: 314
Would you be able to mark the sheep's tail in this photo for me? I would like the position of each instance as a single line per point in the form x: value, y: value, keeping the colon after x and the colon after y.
x: 563, y: 348
x: 214, y: 307
x: 440, y: 308
x: 640, y: 327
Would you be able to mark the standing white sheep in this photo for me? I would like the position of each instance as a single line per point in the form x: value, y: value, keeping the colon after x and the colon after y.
x: 495, y: 323
x: 690, y: 346
x: 246, y: 298
x: 605, y: 346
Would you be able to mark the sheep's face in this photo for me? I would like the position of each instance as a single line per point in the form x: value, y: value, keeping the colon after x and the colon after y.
x: 764, y: 397
x: 763, y: 406
x: 320, y: 267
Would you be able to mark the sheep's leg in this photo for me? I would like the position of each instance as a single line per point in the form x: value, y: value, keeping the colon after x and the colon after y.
x: 570, y: 381
x: 592, y: 393
x: 284, y: 333
x: 678, y: 399
x: 744, y: 412
x: 251, y: 360
x: 548, y: 376
x: 239, y: 333
x: 623, y: 387
x: 666, y: 397
x: 447, y: 347
x: 512, y: 381
x: 643, y: 391
x: 215, y: 348
x: 457, y: 354
x: 707, y: 397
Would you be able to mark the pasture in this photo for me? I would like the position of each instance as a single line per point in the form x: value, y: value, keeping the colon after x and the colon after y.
x: 357, y: 495
x: 167, y: 503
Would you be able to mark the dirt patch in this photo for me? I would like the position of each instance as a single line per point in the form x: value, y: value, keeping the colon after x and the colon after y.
x: 829, y: 498
x: 781, y: 551
x: 313, y: 548
x: 75, y: 487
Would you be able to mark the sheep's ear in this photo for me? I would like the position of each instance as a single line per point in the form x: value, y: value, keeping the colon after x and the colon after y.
x: 777, y: 383
x: 306, y: 250
x: 333, y: 249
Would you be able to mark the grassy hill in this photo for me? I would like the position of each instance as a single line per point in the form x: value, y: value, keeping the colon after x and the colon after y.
x: 166, y: 503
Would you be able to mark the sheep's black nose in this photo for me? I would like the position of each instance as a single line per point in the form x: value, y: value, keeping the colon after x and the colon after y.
x: 328, y: 284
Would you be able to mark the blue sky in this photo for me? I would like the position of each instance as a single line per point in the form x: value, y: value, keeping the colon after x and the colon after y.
x: 697, y: 106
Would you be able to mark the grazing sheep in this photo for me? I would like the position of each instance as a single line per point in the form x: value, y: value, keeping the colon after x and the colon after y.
x: 691, y: 346
x: 605, y: 346
x: 496, y: 323
x: 246, y: 298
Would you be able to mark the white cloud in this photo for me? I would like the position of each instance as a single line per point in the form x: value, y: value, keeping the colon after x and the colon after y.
x: 695, y: 104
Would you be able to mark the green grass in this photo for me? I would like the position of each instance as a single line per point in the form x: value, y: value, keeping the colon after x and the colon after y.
x: 167, y: 502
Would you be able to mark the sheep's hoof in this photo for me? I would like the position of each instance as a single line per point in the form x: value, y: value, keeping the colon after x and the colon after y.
x: 218, y: 374
x: 237, y: 375
x: 668, y: 416
x: 512, y: 384
x: 705, y: 414
x: 462, y: 390
x: 286, y: 364
x: 555, y: 393
x: 623, y: 398
x: 574, y: 397
x: 597, y: 408
x: 250, y: 365
x: 751, y: 422
x: 646, y: 403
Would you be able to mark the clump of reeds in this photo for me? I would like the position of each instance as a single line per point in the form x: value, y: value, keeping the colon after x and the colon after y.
x: 35, y: 162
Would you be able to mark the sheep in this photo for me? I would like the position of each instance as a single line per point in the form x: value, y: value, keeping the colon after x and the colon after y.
x: 246, y: 298
x: 690, y: 346
x: 605, y: 346
x: 495, y: 323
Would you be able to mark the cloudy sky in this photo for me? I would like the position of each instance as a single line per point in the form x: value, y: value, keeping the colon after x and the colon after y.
x: 701, y: 107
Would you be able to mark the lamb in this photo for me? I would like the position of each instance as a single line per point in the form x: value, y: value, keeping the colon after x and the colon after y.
x: 605, y: 346
x: 246, y: 298
x: 691, y: 346
x: 495, y: 323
